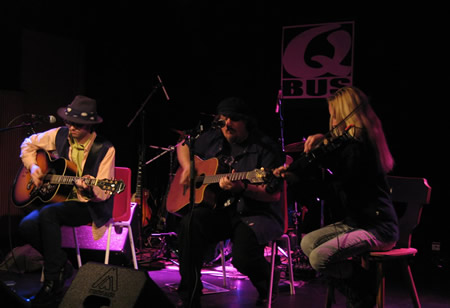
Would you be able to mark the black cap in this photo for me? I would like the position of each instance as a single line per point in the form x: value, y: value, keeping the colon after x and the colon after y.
x: 234, y: 107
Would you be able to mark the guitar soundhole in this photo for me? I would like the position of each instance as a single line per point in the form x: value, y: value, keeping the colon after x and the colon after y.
x: 48, y: 188
x: 199, y: 181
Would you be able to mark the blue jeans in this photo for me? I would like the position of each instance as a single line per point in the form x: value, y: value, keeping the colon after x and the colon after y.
x: 330, y: 248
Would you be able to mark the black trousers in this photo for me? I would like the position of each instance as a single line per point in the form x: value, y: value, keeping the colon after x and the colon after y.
x: 202, y: 227
x: 42, y: 229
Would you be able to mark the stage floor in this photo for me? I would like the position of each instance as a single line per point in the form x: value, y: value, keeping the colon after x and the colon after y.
x: 433, y: 288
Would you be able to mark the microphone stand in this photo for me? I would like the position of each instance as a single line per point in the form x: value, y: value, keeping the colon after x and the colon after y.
x: 30, y: 127
x: 170, y: 149
x: 189, y: 140
x: 164, y: 246
x: 279, y: 110
x: 141, y: 156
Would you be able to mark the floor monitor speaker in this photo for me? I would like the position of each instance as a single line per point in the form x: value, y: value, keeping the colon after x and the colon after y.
x: 101, y: 285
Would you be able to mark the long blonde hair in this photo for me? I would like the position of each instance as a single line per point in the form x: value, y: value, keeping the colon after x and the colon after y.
x: 351, y: 108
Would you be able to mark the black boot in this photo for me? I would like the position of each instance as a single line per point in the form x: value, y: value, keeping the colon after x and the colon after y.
x: 49, y: 294
x: 263, y: 289
x: 359, y: 289
x: 66, y: 273
x: 187, y: 299
x: 51, y: 291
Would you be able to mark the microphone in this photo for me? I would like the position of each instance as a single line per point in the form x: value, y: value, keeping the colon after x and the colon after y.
x: 162, y: 86
x: 218, y: 124
x: 44, y: 118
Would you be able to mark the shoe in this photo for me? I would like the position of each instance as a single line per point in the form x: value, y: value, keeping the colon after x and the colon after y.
x: 66, y: 273
x: 49, y: 294
x: 51, y: 291
x: 368, y: 301
x: 182, y: 304
x: 263, y: 299
x: 359, y: 290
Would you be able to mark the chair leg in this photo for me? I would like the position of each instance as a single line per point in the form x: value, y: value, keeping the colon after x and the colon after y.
x: 77, y: 247
x: 272, y: 271
x: 330, y: 299
x: 224, y: 269
x: 412, y: 287
x: 133, y: 250
x: 290, y: 268
x: 108, y: 242
x: 380, y: 285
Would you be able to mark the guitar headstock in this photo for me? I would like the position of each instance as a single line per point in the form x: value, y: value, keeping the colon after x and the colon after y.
x: 112, y: 186
x: 257, y: 176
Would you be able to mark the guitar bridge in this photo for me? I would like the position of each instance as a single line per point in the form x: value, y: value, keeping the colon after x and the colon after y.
x: 229, y: 202
x: 47, y: 188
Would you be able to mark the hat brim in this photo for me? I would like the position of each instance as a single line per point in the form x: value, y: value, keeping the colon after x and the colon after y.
x: 62, y: 114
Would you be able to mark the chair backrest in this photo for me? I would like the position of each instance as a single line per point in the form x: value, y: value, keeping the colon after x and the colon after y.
x: 122, y: 201
x: 409, y: 195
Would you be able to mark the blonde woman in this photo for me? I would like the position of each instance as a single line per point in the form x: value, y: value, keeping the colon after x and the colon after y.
x: 356, y: 153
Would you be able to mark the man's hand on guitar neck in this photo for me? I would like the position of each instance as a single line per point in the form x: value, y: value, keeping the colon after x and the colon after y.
x: 233, y: 186
x: 83, y: 188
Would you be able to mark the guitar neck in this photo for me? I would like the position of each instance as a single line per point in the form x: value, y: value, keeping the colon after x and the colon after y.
x: 69, y: 180
x: 236, y: 176
x: 138, y: 182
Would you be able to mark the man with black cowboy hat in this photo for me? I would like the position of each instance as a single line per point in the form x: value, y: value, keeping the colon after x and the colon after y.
x: 251, y: 214
x: 94, y: 156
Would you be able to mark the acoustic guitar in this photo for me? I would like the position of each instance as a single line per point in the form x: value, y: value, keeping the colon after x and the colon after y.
x: 58, y: 181
x: 179, y: 194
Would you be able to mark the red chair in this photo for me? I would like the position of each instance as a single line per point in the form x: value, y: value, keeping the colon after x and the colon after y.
x: 121, y: 216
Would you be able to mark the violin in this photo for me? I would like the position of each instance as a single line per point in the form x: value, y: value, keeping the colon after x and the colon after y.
x: 322, y: 150
x: 307, y: 159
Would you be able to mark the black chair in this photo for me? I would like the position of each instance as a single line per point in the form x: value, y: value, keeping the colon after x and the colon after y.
x: 274, y: 249
x: 409, y: 195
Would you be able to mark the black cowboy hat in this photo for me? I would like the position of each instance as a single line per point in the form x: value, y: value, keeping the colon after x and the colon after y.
x: 82, y: 110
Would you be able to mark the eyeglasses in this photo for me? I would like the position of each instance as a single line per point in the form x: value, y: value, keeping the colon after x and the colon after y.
x: 76, y: 125
x: 234, y: 117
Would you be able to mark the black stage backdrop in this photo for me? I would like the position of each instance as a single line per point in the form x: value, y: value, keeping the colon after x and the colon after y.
x: 203, y: 52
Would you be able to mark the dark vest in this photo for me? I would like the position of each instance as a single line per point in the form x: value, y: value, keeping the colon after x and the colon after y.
x: 100, y: 212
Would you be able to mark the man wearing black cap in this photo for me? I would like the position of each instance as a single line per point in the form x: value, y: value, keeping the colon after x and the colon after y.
x: 93, y: 156
x: 250, y: 215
